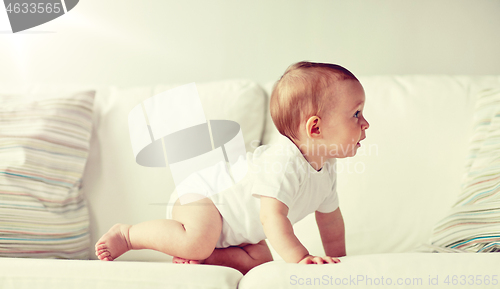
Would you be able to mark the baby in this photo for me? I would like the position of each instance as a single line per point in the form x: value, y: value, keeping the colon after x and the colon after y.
x: 318, y: 109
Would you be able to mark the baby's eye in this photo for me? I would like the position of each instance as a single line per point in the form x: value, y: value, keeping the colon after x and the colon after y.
x: 356, y: 114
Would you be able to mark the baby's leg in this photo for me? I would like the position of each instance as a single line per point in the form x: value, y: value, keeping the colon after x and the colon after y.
x: 192, y: 234
x: 241, y: 258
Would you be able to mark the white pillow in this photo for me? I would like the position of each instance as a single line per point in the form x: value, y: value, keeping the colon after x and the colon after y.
x: 121, y: 191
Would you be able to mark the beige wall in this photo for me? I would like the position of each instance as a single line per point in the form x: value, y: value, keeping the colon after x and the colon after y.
x: 127, y: 42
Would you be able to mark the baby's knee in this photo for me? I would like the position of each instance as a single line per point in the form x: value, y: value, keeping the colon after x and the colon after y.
x: 259, y: 252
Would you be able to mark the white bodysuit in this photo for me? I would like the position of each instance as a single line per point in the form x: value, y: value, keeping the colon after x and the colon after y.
x: 277, y: 170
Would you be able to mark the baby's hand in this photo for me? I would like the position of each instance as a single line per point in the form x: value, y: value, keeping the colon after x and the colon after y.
x: 318, y: 260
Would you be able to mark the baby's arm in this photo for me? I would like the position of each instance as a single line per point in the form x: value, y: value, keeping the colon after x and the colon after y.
x: 279, y: 232
x: 331, y: 229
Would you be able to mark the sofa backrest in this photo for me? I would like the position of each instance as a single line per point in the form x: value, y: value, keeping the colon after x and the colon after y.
x: 407, y: 172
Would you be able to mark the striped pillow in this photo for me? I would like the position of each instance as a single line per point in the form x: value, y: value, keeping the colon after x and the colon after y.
x: 473, y: 224
x: 44, y: 144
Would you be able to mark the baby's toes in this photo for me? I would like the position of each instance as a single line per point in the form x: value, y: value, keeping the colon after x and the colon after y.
x: 103, y: 254
x: 177, y: 260
x: 107, y: 258
x: 100, y: 246
x: 100, y: 249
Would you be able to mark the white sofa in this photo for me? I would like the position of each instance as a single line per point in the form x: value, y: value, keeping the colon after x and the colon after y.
x: 404, y: 179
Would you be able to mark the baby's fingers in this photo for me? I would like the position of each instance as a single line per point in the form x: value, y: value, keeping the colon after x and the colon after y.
x: 310, y: 261
x: 331, y: 260
x: 306, y: 260
x: 318, y: 260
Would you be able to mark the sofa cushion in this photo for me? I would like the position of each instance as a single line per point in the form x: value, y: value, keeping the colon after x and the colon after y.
x: 401, y: 270
x: 473, y: 224
x: 44, y: 144
x: 120, y: 190
x: 79, y: 274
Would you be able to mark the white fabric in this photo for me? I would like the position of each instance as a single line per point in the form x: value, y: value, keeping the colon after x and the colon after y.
x: 412, y: 270
x: 182, y: 170
x: 138, y: 128
x: 408, y: 171
x: 279, y: 171
x: 174, y: 110
x: 294, y: 182
x: 121, y: 191
x: 22, y: 273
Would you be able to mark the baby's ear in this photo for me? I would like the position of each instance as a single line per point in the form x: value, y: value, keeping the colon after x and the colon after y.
x: 313, y: 126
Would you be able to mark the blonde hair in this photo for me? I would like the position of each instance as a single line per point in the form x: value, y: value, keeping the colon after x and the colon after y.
x: 301, y: 93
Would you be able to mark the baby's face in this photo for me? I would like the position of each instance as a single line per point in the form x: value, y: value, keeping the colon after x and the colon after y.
x: 344, y: 125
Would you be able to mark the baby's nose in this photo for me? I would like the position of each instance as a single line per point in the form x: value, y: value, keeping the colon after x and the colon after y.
x: 366, y: 124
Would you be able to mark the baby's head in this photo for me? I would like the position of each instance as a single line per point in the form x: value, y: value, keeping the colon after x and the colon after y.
x: 319, y: 107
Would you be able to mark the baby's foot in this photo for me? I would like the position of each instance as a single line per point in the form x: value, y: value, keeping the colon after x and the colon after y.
x: 114, y: 243
x: 177, y: 260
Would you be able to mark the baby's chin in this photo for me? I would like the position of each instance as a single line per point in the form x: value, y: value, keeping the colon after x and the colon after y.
x: 344, y: 154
